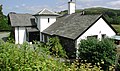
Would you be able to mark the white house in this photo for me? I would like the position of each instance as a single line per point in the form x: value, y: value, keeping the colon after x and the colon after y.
x: 22, y: 24
x: 74, y: 27
x: 44, y: 19
x: 28, y: 27
x: 70, y: 28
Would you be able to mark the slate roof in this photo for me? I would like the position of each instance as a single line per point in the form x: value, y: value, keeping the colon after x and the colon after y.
x: 32, y: 29
x: 46, y: 12
x: 71, y: 26
x: 21, y: 20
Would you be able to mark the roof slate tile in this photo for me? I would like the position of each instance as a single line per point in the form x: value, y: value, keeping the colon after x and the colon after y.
x: 22, y: 20
x: 71, y: 26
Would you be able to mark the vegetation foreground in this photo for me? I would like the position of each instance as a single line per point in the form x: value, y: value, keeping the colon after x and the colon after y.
x: 46, y: 57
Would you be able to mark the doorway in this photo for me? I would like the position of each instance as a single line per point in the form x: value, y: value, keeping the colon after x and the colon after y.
x: 34, y: 36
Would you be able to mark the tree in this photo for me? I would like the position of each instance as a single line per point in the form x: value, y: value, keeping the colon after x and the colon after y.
x: 3, y: 21
x: 98, y: 52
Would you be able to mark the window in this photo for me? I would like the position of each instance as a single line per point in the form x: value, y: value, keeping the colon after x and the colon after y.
x: 42, y: 38
x: 103, y: 35
x: 45, y: 38
x: 93, y: 36
x: 48, y: 20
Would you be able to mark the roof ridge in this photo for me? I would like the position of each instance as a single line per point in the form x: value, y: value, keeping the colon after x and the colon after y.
x: 42, y: 11
x: 46, y: 11
x: 20, y: 13
x: 50, y: 11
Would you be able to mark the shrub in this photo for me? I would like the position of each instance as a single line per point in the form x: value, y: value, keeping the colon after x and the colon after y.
x: 95, y: 51
x: 79, y: 66
x: 56, y: 48
x: 10, y: 38
x: 28, y: 57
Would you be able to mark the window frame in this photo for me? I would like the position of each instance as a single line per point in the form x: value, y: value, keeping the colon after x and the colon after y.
x: 48, y: 20
x: 92, y: 36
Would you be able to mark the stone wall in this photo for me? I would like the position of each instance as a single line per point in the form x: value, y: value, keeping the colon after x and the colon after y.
x: 69, y: 46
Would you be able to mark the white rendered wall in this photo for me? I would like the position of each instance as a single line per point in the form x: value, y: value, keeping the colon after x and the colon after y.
x: 71, y: 7
x: 20, y: 35
x: 99, y: 28
x: 43, y: 23
x: 16, y: 35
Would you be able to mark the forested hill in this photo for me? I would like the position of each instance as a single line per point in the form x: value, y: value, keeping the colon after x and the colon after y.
x: 112, y: 15
x: 3, y: 21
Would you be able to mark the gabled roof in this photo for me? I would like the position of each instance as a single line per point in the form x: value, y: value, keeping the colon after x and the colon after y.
x: 21, y: 19
x: 46, y: 12
x: 71, y: 26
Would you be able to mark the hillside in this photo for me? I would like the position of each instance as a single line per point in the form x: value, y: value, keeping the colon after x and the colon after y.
x: 3, y: 21
x: 112, y: 15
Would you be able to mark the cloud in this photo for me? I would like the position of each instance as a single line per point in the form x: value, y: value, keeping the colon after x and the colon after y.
x: 23, y: 4
x: 17, y: 6
x: 114, y: 4
x: 61, y: 5
x: 34, y: 9
x: 87, y: 0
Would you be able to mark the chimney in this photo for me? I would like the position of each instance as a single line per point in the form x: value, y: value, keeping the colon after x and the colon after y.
x: 71, y: 7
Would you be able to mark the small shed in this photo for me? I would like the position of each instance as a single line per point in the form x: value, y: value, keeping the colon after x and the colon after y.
x: 117, y: 39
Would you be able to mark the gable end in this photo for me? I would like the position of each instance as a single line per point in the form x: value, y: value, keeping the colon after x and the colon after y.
x: 101, y: 16
x: 109, y: 24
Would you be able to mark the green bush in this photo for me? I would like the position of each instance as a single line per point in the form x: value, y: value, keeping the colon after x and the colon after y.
x: 35, y: 57
x: 79, y: 66
x: 56, y: 48
x: 95, y: 51
x: 26, y: 57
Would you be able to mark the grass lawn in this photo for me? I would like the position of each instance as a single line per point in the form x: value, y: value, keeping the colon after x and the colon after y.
x: 117, y: 28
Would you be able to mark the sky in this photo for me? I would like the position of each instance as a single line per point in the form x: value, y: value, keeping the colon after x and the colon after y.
x: 34, y: 6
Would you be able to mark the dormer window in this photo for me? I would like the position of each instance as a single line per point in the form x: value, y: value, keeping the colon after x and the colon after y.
x: 48, y: 20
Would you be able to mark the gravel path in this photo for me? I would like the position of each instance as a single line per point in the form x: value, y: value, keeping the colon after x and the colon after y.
x: 4, y: 35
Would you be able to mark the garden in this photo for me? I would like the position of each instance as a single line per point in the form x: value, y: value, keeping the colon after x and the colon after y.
x: 94, y: 55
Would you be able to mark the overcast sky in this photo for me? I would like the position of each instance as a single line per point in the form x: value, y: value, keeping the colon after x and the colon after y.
x: 33, y: 6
